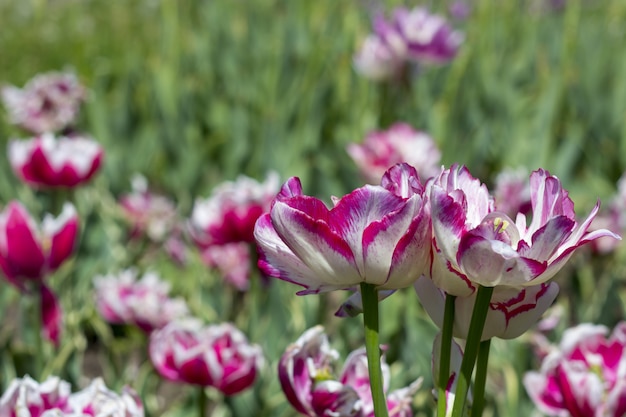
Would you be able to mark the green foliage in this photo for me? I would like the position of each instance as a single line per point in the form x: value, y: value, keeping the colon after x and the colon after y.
x: 191, y: 93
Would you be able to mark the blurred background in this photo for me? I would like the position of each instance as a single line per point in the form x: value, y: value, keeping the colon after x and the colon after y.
x: 193, y: 93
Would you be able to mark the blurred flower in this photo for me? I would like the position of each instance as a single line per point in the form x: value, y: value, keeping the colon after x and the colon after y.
x: 512, y: 192
x: 476, y: 245
x: 511, y: 312
x: 400, y: 143
x: 375, y: 234
x: 48, y: 103
x: 217, y: 355
x: 306, y: 376
x: 151, y: 214
x: 27, y: 252
x: 229, y: 214
x: 584, y: 376
x: 232, y: 260
x: 377, y: 60
x: 460, y: 9
x: 429, y: 38
x: 53, y: 398
x: 49, y: 161
x: 123, y: 299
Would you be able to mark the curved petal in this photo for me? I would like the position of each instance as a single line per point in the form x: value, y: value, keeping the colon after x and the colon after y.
x: 63, y: 232
x: 303, y: 227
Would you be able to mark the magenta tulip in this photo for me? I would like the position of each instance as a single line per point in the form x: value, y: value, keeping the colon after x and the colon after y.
x: 49, y: 161
x: 218, y: 355
x: 584, y: 375
x: 229, y: 214
x: 379, y: 235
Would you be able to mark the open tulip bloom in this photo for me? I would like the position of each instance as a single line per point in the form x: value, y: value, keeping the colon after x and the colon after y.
x: 28, y: 254
x: 52, y: 162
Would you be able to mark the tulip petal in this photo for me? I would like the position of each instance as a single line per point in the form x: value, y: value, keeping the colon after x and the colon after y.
x: 64, y: 232
x: 20, y: 251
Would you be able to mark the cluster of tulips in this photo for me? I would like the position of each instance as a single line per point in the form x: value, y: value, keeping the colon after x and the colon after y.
x: 481, y: 263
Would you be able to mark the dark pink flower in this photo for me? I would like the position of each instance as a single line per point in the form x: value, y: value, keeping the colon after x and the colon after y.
x: 26, y: 397
x: 306, y: 374
x: 400, y: 143
x: 232, y: 260
x: 585, y: 376
x: 218, y: 355
x: 28, y: 253
x: 375, y: 234
x: 230, y: 213
x: 122, y: 299
x: 48, y: 103
x: 49, y: 161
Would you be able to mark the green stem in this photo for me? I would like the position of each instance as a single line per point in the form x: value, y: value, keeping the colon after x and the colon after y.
x: 477, y: 323
x: 369, y: 296
x: 202, y: 402
x: 445, y: 354
x: 481, y: 378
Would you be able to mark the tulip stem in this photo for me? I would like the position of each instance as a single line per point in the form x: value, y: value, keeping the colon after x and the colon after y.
x: 444, y: 357
x: 369, y: 296
x: 202, y: 402
x: 481, y: 378
x: 477, y: 323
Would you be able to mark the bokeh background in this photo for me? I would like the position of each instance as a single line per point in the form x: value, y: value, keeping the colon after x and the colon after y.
x: 193, y: 93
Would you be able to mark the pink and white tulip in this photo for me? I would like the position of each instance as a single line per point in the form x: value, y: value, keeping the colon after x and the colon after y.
x: 123, y: 299
x: 377, y: 60
x: 232, y: 261
x: 306, y: 376
x: 400, y: 143
x: 476, y: 245
x: 584, y: 376
x: 49, y: 161
x: 26, y: 397
x: 229, y: 214
x: 512, y: 311
x: 28, y: 253
x: 512, y: 192
x: 150, y: 214
x: 376, y: 234
x: 48, y: 103
x: 218, y: 355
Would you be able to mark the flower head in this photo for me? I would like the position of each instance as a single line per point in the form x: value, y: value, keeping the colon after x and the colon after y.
x: 377, y: 60
x: 376, y: 234
x: 48, y: 103
x: 232, y: 260
x: 217, y: 355
x: 474, y: 244
x: 306, y: 373
x: 400, y: 143
x: 49, y: 161
x: 123, y: 299
x: 26, y: 397
x: 584, y: 376
x: 229, y: 214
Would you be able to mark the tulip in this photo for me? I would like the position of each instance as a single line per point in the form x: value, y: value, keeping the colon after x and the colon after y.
x: 429, y: 38
x: 378, y: 235
x: 232, y: 260
x: 123, y: 299
x: 53, y: 398
x: 377, y: 60
x: 400, y: 143
x: 306, y: 376
x: 475, y: 245
x: 48, y: 103
x: 29, y: 253
x: 512, y: 192
x: 229, y: 214
x: 150, y: 214
x: 584, y: 375
x: 49, y: 161
x: 218, y: 355
x: 512, y: 311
